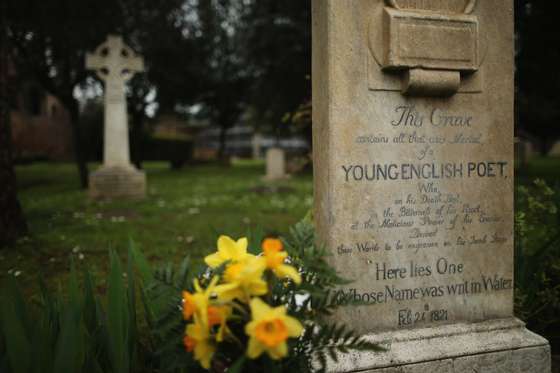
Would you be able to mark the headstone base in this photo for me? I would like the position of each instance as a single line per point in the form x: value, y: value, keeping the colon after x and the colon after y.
x: 117, y: 182
x: 498, y: 346
x: 272, y: 179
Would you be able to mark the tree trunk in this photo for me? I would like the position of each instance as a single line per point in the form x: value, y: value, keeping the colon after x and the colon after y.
x: 12, y: 221
x: 80, y: 158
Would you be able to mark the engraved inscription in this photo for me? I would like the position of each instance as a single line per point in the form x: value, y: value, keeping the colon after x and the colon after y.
x: 435, y: 224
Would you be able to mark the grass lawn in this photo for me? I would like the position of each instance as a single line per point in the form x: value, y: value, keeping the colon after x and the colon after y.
x: 183, y: 214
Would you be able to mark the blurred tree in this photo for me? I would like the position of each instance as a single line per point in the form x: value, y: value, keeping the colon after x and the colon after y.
x: 537, y: 60
x: 52, y: 38
x: 219, y: 39
x: 156, y: 29
x: 279, y: 49
x: 12, y: 221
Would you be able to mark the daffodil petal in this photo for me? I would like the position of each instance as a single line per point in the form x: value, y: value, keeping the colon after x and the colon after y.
x: 214, y: 260
x: 241, y: 246
x: 258, y: 288
x: 284, y: 270
x: 228, y: 292
x: 259, y: 309
x: 295, y: 329
x: 213, y: 283
x: 203, y: 352
x: 227, y: 248
x: 250, y: 327
x: 279, y: 351
x: 255, y: 349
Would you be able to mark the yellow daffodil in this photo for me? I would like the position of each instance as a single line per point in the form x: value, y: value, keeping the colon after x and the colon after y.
x: 189, y: 305
x: 197, y: 304
x: 269, y: 330
x: 199, y: 341
x: 228, y: 250
x: 275, y: 256
x: 243, y: 280
x: 189, y: 343
x: 218, y: 315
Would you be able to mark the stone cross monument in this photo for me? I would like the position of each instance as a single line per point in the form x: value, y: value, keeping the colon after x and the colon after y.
x: 115, y: 63
x: 414, y: 179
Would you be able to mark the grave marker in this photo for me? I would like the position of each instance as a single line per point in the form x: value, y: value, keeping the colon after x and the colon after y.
x: 115, y: 63
x: 275, y: 164
x: 414, y: 177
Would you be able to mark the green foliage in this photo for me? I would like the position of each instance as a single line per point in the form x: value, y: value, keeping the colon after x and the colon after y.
x: 537, y: 224
x: 326, y: 339
x: 77, y: 330
x: 311, y: 303
x: 279, y: 55
x: 71, y: 333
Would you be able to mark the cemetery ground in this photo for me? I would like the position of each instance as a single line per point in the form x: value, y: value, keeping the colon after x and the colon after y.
x: 184, y: 214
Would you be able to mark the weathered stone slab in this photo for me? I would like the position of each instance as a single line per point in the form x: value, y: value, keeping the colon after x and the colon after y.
x: 499, y: 362
x: 490, y: 346
x: 414, y: 195
x: 414, y: 178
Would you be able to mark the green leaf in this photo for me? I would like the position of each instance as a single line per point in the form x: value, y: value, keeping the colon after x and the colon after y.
x: 18, y: 347
x: 90, y: 306
x: 133, y: 338
x: 141, y: 264
x: 74, y: 288
x: 183, y: 274
x: 117, y: 318
x: 69, y: 348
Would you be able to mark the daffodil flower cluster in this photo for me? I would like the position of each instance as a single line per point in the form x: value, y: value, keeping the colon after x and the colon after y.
x: 238, y: 296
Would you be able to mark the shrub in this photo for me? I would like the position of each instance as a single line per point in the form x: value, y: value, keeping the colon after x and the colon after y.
x: 73, y: 333
x: 537, y: 227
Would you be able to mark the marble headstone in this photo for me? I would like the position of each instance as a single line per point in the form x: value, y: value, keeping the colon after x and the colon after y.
x: 115, y: 63
x: 275, y: 164
x: 414, y: 178
x: 555, y: 151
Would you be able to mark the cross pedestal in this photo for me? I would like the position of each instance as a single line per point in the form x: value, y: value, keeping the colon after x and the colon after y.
x: 115, y: 63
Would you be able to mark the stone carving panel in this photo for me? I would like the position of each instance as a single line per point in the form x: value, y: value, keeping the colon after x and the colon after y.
x: 444, y: 6
x: 439, y: 37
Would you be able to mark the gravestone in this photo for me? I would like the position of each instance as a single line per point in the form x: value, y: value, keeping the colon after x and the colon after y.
x: 275, y: 164
x: 115, y: 63
x: 555, y: 151
x: 414, y: 179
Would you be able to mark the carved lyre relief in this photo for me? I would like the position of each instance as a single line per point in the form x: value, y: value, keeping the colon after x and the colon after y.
x: 425, y: 47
